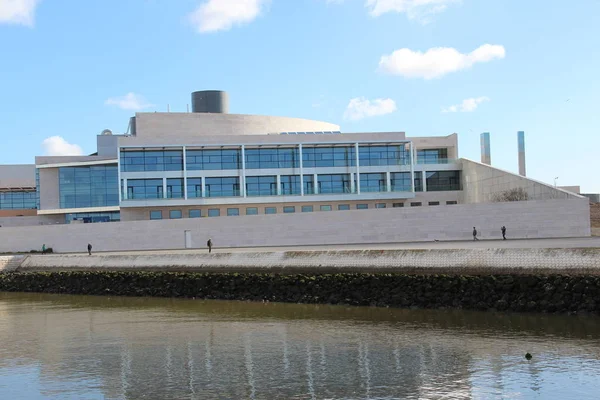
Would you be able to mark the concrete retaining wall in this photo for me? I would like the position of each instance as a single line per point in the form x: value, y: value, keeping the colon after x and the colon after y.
x: 527, y: 219
x: 475, y: 261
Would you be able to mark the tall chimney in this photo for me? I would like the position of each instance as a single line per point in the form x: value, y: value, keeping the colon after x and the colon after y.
x: 521, y: 141
x: 486, y: 157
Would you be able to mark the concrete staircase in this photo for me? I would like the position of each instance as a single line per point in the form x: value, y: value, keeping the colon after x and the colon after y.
x: 10, y: 263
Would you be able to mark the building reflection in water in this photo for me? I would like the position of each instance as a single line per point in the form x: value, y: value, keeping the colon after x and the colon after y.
x: 157, y: 348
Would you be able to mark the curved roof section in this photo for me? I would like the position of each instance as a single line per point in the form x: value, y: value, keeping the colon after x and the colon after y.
x: 168, y: 125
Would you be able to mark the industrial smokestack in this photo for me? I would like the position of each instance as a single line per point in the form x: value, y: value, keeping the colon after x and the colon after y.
x: 521, y: 141
x: 486, y: 157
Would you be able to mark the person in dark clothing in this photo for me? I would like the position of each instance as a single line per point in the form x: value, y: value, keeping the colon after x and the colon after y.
x: 475, y: 234
x: 209, y: 245
x: 89, y: 249
x: 503, y: 229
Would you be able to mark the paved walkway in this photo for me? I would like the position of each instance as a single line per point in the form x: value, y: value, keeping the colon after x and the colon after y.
x: 586, y: 242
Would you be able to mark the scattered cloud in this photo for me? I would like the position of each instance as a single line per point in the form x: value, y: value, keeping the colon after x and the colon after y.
x: 130, y: 101
x: 222, y: 15
x: 20, y: 12
x: 420, y: 10
x: 436, y: 62
x: 58, y: 146
x: 467, y: 105
x: 360, y: 107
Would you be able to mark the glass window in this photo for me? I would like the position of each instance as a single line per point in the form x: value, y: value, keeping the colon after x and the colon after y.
x: 290, y: 184
x: 451, y: 202
x: 434, y: 203
x: 289, y: 209
x: 251, y: 211
x: 380, y: 205
x: 415, y: 204
x: 309, y: 184
x: 398, y: 205
x: 271, y: 158
x: 270, y: 210
x: 325, y: 208
x: 362, y: 206
x: 175, y: 214
x: 175, y: 188
x: 157, y: 214
x: 222, y: 187
x: 151, y: 160
x: 432, y: 156
x: 144, y: 189
x: 327, y: 156
x: 213, y: 159
x: 336, y: 183
x: 400, y: 181
x: 214, y: 212
x: 261, y: 185
x: 383, y: 155
x: 232, y: 212
x: 194, y: 188
x: 93, y: 217
x: 438, y: 181
x: 18, y: 200
x: 418, y: 182
x: 373, y: 182
x: 343, y: 207
x: 88, y: 186
x: 195, y: 214
x: 307, y: 208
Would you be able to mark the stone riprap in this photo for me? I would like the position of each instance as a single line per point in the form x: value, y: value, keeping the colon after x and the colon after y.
x: 460, y: 261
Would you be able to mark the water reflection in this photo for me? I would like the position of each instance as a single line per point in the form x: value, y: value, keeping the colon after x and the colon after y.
x: 79, y: 347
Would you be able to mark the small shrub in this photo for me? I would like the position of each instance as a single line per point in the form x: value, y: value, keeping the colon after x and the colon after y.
x: 516, y: 194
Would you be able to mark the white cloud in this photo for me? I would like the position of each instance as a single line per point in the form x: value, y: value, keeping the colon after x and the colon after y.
x: 436, y: 62
x: 421, y: 10
x: 360, y: 107
x: 20, y: 12
x: 130, y: 101
x: 57, y: 146
x: 222, y: 15
x: 467, y: 105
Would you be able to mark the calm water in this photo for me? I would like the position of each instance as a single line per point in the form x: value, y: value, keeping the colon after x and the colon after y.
x: 74, y: 347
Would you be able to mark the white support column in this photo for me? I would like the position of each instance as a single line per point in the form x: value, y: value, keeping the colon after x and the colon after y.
x: 185, y: 187
x: 164, y: 188
x: 203, y: 183
x: 315, y: 184
x: 301, y: 170
x: 118, y: 175
x: 278, y: 180
x: 388, y: 181
x: 124, y: 189
x: 412, y: 167
x: 352, y: 186
x: 357, y: 169
x: 424, y: 180
x: 243, y: 177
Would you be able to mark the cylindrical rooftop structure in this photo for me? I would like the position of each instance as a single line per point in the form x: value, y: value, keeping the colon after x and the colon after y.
x: 486, y: 156
x: 210, y: 101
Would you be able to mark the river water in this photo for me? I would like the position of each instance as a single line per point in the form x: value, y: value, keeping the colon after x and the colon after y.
x: 76, y: 347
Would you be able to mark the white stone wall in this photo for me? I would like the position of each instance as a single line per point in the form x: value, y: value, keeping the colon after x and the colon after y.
x: 528, y: 219
x: 16, y: 176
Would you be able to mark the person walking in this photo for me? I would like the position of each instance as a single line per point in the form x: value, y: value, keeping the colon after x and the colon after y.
x: 209, y: 245
x: 43, y: 248
x: 475, y: 234
x: 89, y: 249
x: 503, y: 230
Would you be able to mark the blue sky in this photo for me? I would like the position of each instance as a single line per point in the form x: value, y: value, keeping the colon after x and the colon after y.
x: 426, y: 67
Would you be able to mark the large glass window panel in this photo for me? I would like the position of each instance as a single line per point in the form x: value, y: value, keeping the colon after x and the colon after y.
x: 93, y: 217
x: 290, y: 184
x: 151, y: 160
x: 418, y: 182
x: 373, y: 182
x: 222, y: 187
x: 261, y: 185
x: 175, y: 188
x: 383, y: 155
x: 271, y: 158
x: 334, y: 183
x: 309, y: 184
x: 88, y: 186
x: 144, y: 189
x: 213, y: 159
x: 18, y: 200
x: 438, y: 181
x: 400, y: 181
x: 432, y: 156
x: 194, y: 187
x: 330, y: 156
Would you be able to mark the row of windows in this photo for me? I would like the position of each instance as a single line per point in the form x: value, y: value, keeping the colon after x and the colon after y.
x: 21, y: 200
x: 262, y: 158
x: 89, y: 186
x: 94, y: 217
x: 234, y: 211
